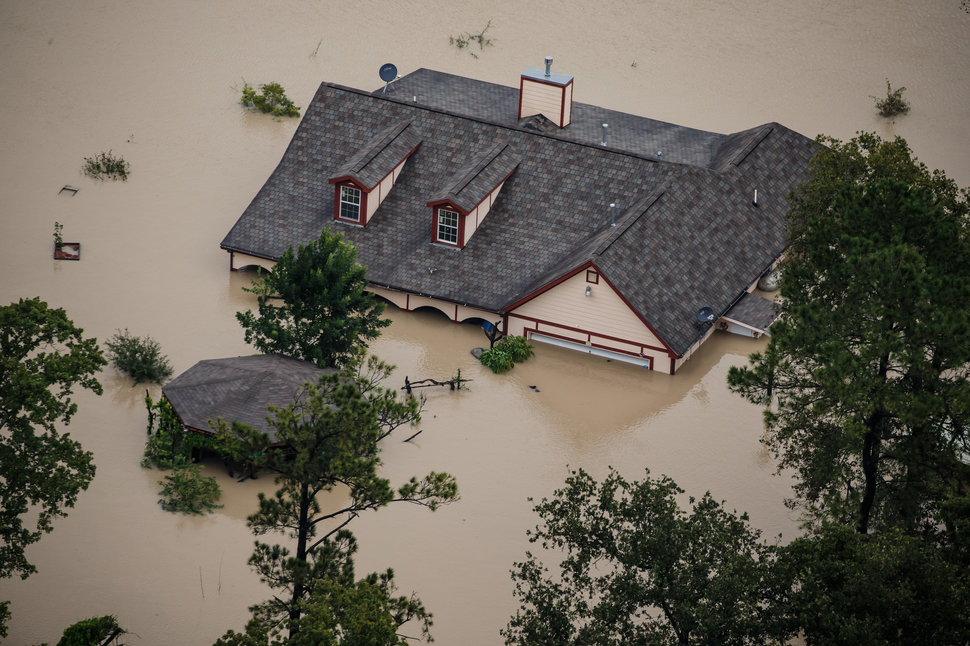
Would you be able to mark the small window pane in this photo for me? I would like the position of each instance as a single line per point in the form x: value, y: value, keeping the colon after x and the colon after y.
x: 349, y: 203
x: 447, y: 226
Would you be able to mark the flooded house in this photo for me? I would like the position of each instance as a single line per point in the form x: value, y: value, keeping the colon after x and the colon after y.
x: 567, y: 223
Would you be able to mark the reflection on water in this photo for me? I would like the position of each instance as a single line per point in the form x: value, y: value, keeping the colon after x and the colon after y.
x: 158, y: 83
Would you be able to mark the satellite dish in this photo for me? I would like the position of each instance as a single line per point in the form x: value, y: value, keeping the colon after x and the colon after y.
x: 388, y: 72
x: 705, y: 315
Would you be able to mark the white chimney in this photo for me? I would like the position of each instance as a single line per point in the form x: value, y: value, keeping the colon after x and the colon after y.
x: 547, y: 93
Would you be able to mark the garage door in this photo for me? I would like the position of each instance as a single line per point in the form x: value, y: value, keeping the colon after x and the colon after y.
x: 599, y: 352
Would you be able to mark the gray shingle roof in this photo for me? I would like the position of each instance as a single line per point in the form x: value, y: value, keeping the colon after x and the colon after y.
x: 499, y: 104
x: 687, y: 233
x: 378, y: 158
x: 238, y: 389
x: 755, y: 311
x: 472, y: 184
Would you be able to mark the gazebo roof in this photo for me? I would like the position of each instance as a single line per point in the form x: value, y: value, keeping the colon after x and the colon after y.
x: 238, y: 389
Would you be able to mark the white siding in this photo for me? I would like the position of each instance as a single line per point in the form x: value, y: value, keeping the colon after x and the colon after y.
x: 400, y: 299
x: 601, y: 319
x: 544, y: 99
x: 475, y: 217
x: 377, y: 195
x: 567, y: 115
x: 453, y: 311
x: 239, y: 260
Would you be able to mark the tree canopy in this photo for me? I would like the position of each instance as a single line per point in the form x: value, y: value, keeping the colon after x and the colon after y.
x: 846, y: 588
x: 865, y: 375
x: 329, y: 439
x: 324, y: 314
x: 639, y: 569
x: 43, y: 357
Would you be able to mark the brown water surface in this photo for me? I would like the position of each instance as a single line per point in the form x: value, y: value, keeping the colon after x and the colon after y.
x: 157, y: 82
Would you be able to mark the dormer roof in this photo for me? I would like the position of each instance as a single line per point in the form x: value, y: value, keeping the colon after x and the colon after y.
x: 378, y: 156
x: 480, y: 176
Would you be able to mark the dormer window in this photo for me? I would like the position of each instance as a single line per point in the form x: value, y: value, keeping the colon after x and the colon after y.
x: 462, y: 203
x: 364, y: 180
x: 349, y: 204
x: 447, y: 230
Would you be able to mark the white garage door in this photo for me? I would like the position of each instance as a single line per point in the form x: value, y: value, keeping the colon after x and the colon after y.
x: 599, y: 352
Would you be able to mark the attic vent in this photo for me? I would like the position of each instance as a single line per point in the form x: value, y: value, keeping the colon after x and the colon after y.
x: 547, y: 93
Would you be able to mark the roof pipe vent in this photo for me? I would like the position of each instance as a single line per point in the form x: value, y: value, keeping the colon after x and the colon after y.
x: 612, y: 214
x: 548, y: 66
x: 605, y: 126
x: 755, y: 200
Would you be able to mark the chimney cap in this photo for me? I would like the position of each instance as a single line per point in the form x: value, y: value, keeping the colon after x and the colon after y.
x: 534, y: 74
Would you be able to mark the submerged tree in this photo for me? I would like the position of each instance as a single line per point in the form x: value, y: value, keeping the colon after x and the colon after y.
x: 866, y: 371
x: 328, y: 439
x: 639, y: 569
x: 324, y: 314
x: 848, y: 588
x: 43, y: 356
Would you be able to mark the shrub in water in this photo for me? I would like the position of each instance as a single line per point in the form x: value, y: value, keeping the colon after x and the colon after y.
x: 139, y: 358
x: 517, y: 347
x: 106, y: 166
x: 506, y: 353
x: 894, y: 103
x: 186, y: 490
x: 497, y: 360
x: 271, y: 98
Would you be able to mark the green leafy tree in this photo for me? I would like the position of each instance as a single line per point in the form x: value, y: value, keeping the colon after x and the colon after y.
x: 187, y: 491
x: 873, y: 590
x: 340, y: 609
x: 169, y: 445
x: 43, y: 357
x: 639, y: 569
x: 328, y: 439
x: 271, y: 98
x: 865, y: 375
x: 95, y: 631
x: 138, y: 357
x: 324, y: 313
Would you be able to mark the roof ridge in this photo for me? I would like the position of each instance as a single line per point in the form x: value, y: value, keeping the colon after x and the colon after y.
x: 742, y: 154
x: 490, y: 155
x: 504, y: 126
x: 631, y: 215
x: 380, y: 142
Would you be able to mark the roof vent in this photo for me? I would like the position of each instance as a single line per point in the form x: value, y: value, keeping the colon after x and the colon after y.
x: 548, y: 66
x: 612, y: 214
x: 605, y: 126
x: 755, y: 200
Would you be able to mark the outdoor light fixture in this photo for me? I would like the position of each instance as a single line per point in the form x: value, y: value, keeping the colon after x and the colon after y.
x: 589, y: 290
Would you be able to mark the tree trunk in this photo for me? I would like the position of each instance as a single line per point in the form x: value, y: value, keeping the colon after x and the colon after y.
x: 870, y: 458
x: 299, y: 586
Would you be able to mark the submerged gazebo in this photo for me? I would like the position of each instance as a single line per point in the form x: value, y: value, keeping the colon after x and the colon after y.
x: 238, y: 389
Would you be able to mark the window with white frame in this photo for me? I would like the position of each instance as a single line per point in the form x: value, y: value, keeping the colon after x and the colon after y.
x: 350, y: 203
x: 447, y: 226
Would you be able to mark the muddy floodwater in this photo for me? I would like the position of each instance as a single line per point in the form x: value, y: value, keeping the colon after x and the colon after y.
x: 158, y: 83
